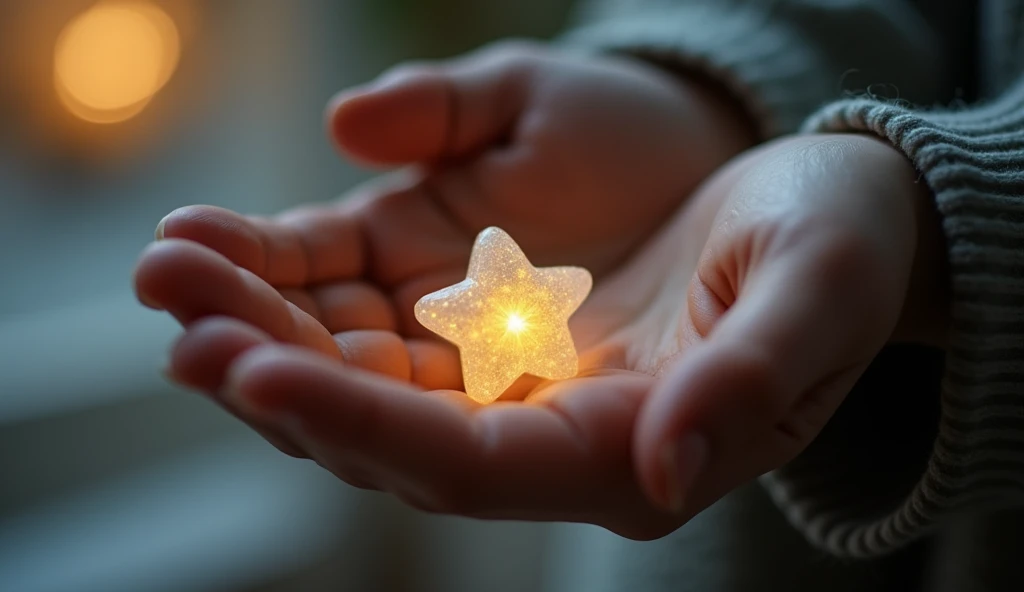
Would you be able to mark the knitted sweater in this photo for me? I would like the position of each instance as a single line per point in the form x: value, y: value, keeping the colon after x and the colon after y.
x: 940, y: 80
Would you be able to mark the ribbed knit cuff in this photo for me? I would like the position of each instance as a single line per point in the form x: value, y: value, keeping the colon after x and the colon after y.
x: 776, y: 74
x: 973, y: 161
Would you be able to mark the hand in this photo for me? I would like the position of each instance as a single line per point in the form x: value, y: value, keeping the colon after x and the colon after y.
x: 558, y: 150
x: 653, y: 368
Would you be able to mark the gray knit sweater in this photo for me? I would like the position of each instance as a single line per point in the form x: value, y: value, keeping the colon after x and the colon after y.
x: 940, y: 80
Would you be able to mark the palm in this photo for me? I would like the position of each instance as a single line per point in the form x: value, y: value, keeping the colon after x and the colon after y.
x: 342, y: 280
x: 349, y: 275
x: 363, y: 316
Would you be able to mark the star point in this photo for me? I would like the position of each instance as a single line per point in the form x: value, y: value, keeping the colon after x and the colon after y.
x: 508, y: 318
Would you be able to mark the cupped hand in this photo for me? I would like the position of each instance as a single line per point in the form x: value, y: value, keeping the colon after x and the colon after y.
x: 710, y: 354
x: 557, y: 150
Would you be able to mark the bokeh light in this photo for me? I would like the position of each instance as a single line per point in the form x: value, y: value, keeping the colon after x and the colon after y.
x: 111, y: 60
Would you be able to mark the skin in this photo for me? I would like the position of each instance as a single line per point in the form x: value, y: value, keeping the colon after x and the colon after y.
x: 737, y: 298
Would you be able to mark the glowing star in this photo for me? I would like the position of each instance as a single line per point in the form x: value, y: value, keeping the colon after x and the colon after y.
x: 507, y: 317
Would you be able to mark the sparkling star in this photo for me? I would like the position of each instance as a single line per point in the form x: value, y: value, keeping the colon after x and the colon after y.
x: 508, y: 318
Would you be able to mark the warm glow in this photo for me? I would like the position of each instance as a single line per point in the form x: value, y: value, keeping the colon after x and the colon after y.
x: 113, y: 58
x: 507, y: 317
x: 516, y: 324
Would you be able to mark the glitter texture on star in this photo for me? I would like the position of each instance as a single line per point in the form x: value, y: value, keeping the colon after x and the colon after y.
x: 508, y: 318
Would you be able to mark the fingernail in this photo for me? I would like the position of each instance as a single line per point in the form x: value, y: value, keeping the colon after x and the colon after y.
x: 682, y: 461
x: 159, y: 232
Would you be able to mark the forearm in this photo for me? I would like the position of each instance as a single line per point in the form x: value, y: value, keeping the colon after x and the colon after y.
x: 970, y: 162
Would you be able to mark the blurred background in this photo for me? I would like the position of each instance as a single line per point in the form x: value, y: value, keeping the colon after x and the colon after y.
x: 111, y: 480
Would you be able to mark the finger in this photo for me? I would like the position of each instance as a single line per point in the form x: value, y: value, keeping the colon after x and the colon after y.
x: 434, y: 365
x: 804, y: 327
x: 408, y: 293
x: 428, y: 364
x: 307, y: 245
x: 351, y: 417
x: 565, y: 459
x: 364, y: 323
x: 191, y: 282
x: 389, y: 231
x: 200, y: 359
x: 566, y: 455
x: 345, y: 306
x: 431, y: 112
x: 410, y: 236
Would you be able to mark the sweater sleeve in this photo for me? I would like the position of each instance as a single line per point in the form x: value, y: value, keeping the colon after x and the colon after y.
x: 973, y: 460
x: 781, y: 59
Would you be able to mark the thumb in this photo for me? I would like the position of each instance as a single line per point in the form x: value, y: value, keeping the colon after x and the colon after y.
x: 425, y: 113
x: 770, y: 373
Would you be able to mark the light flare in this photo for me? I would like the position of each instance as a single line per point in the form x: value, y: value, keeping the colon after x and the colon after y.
x: 516, y: 324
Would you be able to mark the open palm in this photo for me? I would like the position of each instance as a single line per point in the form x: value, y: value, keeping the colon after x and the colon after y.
x: 310, y: 279
x: 505, y: 137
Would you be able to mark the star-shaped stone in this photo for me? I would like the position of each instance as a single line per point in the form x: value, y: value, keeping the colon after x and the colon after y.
x: 508, y: 318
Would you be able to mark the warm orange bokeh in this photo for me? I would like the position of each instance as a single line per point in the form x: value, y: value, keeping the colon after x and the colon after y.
x: 112, y: 59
